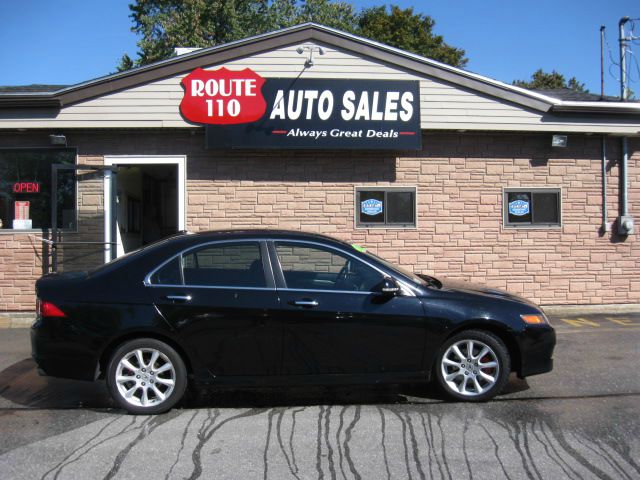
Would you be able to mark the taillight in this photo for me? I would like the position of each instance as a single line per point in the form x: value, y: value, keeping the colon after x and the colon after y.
x: 48, y: 309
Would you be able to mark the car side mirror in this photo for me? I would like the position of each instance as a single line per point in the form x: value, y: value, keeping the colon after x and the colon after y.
x: 388, y: 287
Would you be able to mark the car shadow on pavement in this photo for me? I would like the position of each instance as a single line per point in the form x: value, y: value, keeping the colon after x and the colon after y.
x: 22, y: 387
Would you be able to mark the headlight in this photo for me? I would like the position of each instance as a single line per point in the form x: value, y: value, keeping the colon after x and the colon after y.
x: 534, y: 319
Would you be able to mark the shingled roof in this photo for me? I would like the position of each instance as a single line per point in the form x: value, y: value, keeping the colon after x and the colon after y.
x: 574, y: 96
x: 33, y: 88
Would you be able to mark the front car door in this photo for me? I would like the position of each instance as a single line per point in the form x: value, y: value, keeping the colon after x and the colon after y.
x: 220, y: 297
x: 335, y: 322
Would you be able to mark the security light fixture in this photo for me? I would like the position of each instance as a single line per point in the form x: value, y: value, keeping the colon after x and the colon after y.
x: 309, y: 62
x: 58, y: 139
x: 559, y: 141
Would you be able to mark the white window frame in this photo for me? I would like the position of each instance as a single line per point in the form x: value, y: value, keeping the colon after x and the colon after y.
x: 110, y: 160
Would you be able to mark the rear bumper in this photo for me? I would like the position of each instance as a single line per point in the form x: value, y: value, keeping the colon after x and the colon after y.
x: 59, y: 352
x: 536, y: 350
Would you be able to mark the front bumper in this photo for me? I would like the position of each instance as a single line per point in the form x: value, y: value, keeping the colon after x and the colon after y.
x: 536, y: 345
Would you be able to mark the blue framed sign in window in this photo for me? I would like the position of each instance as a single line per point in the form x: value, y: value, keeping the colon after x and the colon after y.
x: 532, y: 207
x: 385, y: 207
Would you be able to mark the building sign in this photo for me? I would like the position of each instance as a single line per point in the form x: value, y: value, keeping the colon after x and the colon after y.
x: 223, y: 97
x: 519, y: 208
x: 371, y: 207
x: 240, y: 109
x: 26, y: 187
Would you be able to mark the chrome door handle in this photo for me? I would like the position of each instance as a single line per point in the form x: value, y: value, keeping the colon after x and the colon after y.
x: 304, y: 303
x: 179, y: 298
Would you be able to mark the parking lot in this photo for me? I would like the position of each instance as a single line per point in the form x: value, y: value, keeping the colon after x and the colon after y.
x: 580, y: 421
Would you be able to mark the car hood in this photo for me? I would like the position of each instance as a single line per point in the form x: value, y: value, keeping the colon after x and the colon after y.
x: 458, y: 286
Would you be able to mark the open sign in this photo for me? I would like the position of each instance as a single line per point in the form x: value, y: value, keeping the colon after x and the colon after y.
x: 26, y: 187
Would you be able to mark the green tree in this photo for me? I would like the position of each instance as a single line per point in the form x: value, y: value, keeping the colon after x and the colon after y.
x: 409, y: 31
x: 541, y: 80
x: 165, y: 24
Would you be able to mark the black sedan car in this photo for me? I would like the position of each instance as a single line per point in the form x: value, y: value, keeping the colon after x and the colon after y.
x: 278, y: 308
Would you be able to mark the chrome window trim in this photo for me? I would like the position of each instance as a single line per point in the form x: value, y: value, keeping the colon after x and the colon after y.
x: 147, y: 279
x: 406, y: 288
x: 219, y: 287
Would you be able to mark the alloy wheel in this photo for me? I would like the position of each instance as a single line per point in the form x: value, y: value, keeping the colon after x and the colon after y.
x: 470, y: 367
x: 145, y: 377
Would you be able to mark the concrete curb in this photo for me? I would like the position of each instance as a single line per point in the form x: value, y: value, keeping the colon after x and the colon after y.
x: 613, y: 309
x: 16, y: 319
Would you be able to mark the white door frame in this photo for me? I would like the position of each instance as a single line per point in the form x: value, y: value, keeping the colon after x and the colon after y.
x: 179, y: 160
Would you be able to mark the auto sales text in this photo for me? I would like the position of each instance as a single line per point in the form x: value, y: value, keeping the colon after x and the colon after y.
x: 374, y: 106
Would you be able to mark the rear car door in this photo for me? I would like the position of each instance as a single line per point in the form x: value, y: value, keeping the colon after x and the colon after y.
x: 220, y: 297
x: 334, y: 322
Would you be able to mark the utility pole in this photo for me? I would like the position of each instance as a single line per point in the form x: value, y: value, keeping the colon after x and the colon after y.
x: 624, y: 90
x: 602, y: 28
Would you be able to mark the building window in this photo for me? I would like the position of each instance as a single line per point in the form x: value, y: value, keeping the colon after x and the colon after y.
x: 25, y: 188
x: 385, y: 207
x: 532, y: 207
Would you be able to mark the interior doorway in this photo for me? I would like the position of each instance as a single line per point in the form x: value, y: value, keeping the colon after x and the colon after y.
x: 149, y: 202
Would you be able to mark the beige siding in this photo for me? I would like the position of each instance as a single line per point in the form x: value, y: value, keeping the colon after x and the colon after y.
x: 443, y: 106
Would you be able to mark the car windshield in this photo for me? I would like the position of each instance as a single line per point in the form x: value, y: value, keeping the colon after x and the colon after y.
x: 402, y: 271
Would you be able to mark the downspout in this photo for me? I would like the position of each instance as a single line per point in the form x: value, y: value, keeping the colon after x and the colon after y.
x: 605, y: 227
x: 624, y: 208
x: 625, y: 221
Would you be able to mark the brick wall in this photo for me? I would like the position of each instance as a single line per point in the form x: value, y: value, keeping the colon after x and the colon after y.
x: 459, y: 179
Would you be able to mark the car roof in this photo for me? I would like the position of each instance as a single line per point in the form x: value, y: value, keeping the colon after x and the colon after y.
x: 258, y: 233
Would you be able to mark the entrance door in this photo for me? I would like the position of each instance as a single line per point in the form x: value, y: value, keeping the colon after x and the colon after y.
x: 149, y: 201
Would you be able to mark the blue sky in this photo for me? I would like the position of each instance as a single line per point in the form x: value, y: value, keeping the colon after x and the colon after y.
x: 69, y: 41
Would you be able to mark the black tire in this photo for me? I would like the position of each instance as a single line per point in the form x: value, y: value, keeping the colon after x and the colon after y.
x: 147, y: 386
x: 498, y: 353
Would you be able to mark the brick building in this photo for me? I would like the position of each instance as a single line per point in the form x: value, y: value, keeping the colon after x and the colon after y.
x: 475, y: 192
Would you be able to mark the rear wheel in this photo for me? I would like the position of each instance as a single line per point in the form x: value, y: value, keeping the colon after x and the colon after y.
x: 146, y: 376
x: 473, y: 365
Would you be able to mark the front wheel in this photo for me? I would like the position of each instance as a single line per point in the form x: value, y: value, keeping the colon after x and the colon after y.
x: 473, y: 366
x: 146, y: 376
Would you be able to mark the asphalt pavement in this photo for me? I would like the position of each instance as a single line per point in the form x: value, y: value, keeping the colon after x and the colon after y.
x: 579, y: 421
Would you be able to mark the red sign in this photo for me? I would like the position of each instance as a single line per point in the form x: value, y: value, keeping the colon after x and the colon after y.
x: 223, y: 97
x: 26, y: 187
x: 21, y: 210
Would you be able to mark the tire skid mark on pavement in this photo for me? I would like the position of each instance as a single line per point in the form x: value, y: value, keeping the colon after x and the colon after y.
x: 601, y: 452
x: 146, y: 429
x: 338, y: 442
x: 347, y: 438
x: 290, y: 455
x: 552, y: 452
x: 319, y: 444
x: 383, y: 432
x: 68, y: 460
x: 465, y: 429
x: 182, y: 443
x: 351, y: 442
x: 515, y: 441
x: 496, y: 450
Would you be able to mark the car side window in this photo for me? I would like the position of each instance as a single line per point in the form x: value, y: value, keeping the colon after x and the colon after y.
x: 317, y: 268
x: 225, y: 265
x: 169, y: 274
